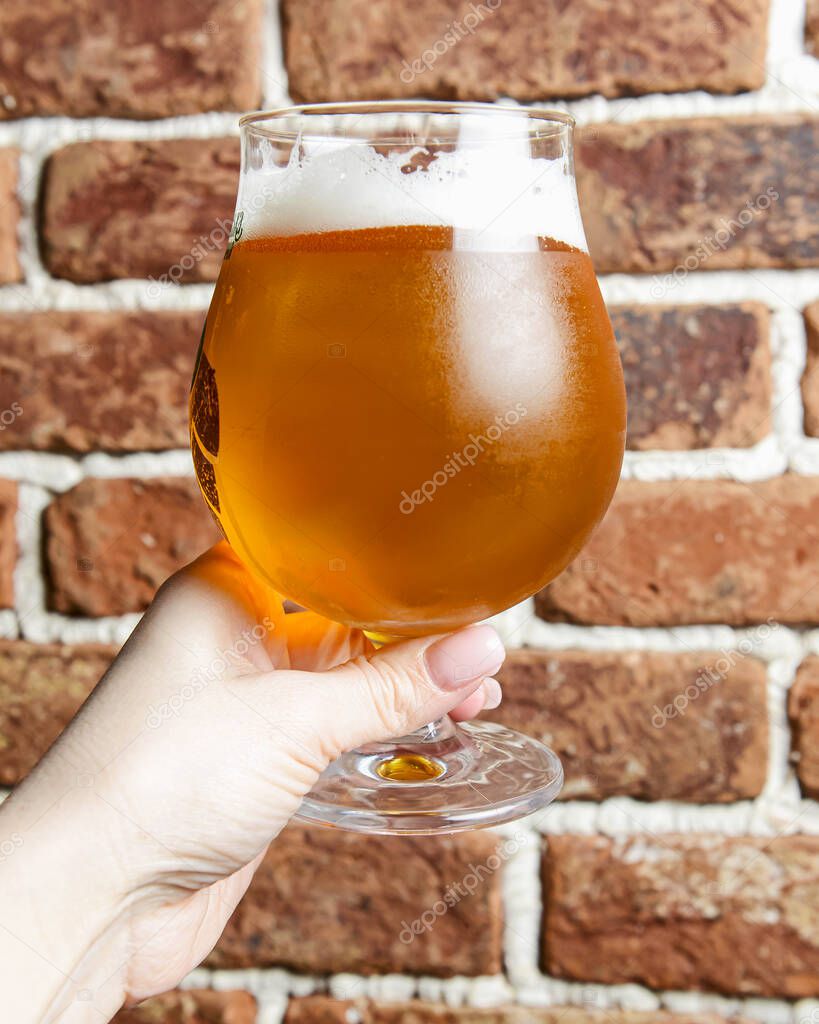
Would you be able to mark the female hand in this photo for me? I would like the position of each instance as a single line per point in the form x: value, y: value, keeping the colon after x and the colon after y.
x: 133, y: 840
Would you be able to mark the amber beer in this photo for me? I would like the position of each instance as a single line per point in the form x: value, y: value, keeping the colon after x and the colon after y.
x: 403, y: 429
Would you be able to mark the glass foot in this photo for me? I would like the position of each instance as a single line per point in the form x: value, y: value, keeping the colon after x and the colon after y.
x: 442, y: 779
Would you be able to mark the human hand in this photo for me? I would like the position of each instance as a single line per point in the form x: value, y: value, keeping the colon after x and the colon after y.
x: 144, y: 824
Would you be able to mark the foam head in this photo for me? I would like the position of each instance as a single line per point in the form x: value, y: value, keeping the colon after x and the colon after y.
x: 485, y: 183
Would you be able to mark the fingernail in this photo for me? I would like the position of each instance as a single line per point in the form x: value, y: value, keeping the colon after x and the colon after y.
x: 492, y: 694
x: 455, y: 660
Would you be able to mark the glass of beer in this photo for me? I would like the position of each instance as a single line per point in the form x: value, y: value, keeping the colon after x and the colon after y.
x: 408, y: 410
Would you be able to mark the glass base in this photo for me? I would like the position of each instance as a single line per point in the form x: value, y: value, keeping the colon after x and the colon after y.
x: 442, y: 779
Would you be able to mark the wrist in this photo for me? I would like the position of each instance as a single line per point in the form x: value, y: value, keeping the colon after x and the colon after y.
x: 64, y: 905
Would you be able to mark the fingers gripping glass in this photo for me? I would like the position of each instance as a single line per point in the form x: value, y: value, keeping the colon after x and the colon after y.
x: 408, y: 410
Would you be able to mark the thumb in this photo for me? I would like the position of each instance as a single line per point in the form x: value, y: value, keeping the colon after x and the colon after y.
x: 400, y: 687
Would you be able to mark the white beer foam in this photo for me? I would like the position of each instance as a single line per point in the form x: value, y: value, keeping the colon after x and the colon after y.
x: 495, y: 191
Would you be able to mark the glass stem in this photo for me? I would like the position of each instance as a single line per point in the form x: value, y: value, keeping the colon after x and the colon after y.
x: 433, y: 732
x: 430, y: 736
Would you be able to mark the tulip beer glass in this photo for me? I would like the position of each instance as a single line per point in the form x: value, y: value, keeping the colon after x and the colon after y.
x: 408, y: 409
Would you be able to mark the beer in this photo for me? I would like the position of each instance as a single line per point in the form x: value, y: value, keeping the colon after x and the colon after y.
x: 402, y: 428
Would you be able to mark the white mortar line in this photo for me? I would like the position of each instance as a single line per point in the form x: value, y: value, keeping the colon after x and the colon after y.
x: 794, y: 93
x: 60, y: 473
x: 781, y: 786
x: 810, y: 641
x: 764, y: 817
x: 788, y: 351
x: 272, y: 987
x: 41, y: 469
x: 554, y: 992
x: 46, y: 134
x: 762, y: 462
x: 766, y: 460
x: 275, y: 86
x: 520, y: 627
x: 29, y: 583
x: 9, y: 627
x: 175, y: 462
x: 523, y: 908
x: 778, y: 289
x: 786, y: 33
x: 129, y: 295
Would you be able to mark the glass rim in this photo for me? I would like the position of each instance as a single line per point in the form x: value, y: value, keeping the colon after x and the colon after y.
x: 548, y: 122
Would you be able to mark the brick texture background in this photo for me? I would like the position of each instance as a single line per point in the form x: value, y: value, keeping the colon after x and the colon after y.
x: 675, y: 664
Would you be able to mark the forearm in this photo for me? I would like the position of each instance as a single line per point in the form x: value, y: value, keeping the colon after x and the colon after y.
x: 63, y: 920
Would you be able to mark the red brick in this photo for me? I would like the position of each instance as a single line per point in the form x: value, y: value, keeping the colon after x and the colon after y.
x: 325, y: 1010
x: 810, y: 378
x: 138, y: 209
x: 612, y: 719
x: 735, y: 915
x: 657, y: 193
x: 719, y: 360
x: 8, y: 541
x: 369, y: 49
x: 812, y: 27
x: 696, y: 551
x: 135, y: 209
x: 41, y: 688
x: 9, y: 216
x: 111, y: 543
x: 129, y: 60
x: 85, y: 381
x: 803, y: 710
x: 328, y: 901
x: 193, y: 1007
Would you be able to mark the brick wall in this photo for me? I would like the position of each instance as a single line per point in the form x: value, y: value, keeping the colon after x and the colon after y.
x: 674, y: 666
